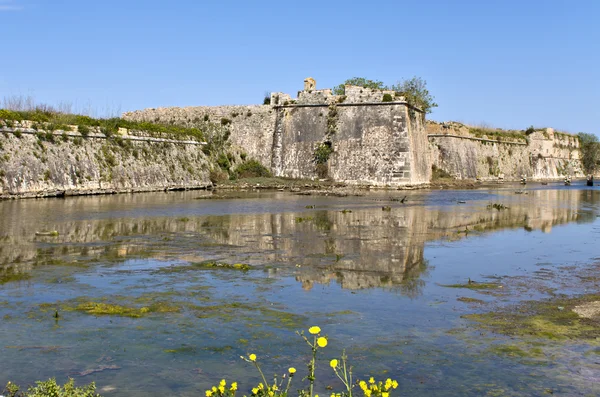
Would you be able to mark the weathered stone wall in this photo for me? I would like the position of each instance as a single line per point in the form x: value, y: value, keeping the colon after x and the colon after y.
x: 251, y: 126
x: 372, y: 143
x: 36, y: 164
x: 542, y: 155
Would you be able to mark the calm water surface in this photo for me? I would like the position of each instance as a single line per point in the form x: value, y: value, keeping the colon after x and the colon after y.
x: 373, y: 280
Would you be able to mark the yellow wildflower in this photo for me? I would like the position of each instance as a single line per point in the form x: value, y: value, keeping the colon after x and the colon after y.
x: 208, y: 393
x: 333, y: 363
x: 255, y: 390
x: 252, y: 357
x: 271, y: 394
x: 314, y: 330
x: 222, y: 383
x: 322, y: 341
x: 394, y: 384
x: 234, y: 386
x: 222, y: 389
x: 371, y: 380
x: 363, y: 385
x: 214, y: 389
x: 260, y: 386
x: 385, y: 394
x: 275, y: 387
x: 292, y: 370
x: 367, y: 393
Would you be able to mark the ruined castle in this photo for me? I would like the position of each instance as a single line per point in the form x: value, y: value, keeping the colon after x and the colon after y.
x: 373, y: 137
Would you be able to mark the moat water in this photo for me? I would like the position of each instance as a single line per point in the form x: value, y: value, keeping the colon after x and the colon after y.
x: 375, y: 281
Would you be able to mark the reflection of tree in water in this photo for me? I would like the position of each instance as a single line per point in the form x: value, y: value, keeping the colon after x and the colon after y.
x: 413, y: 283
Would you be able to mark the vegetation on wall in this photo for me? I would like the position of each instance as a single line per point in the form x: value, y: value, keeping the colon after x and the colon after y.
x: 498, y: 134
x: 332, y: 119
x: 590, y: 152
x: 360, y: 82
x: 320, y: 158
x: 53, y: 120
x: 416, y: 93
x: 414, y: 90
x: 251, y: 169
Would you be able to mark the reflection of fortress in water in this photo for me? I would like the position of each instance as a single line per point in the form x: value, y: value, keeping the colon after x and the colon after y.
x: 360, y: 249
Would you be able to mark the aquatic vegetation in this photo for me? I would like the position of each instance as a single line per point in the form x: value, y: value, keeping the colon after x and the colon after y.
x: 214, y: 265
x: 10, y: 276
x: 549, y: 319
x: 203, y: 266
x: 473, y: 285
x: 107, y: 309
x: 280, y: 387
x: 469, y: 300
x: 50, y: 388
x: 515, y: 351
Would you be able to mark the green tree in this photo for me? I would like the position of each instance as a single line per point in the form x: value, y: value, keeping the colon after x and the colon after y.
x: 360, y: 82
x: 416, y: 93
x: 590, y: 151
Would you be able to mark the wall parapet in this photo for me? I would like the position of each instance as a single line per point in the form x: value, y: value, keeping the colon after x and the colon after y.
x: 475, y: 139
x: 71, y: 134
x: 342, y: 104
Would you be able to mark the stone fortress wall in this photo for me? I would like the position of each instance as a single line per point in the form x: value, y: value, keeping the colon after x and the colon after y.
x: 62, y: 163
x: 541, y: 155
x: 372, y: 141
x: 376, y: 138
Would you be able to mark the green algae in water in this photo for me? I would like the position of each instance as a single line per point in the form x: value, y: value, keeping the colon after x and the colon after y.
x: 550, y: 319
x: 204, y: 266
x: 182, y: 349
x: 470, y: 300
x: 11, y: 276
x: 474, y: 285
x: 108, y: 309
x: 516, y: 351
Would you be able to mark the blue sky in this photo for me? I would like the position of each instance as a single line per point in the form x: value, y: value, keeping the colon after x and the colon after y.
x: 508, y: 63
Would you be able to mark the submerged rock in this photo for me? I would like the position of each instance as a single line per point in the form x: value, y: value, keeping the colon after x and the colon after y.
x: 589, y: 310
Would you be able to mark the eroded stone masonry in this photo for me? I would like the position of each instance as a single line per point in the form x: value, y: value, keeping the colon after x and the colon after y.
x: 372, y: 137
x: 375, y: 137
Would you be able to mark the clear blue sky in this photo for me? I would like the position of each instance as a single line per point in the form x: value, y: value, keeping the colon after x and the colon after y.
x: 507, y: 63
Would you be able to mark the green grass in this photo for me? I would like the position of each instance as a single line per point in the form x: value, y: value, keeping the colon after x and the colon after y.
x: 108, y: 126
x: 497, y: 134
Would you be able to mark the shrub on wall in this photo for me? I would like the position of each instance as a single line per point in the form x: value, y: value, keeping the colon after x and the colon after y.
x: 322, y: 153
x: 387, y: 98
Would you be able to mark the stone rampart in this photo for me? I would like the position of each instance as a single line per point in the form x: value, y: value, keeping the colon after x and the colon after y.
x: 372, y: 141
x: 541, y: 155
x: 251, y: 127
x: 375, y: 138
x: 37, y: 163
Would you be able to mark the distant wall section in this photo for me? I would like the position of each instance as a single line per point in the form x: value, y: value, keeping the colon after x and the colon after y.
x: 542, y: 155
